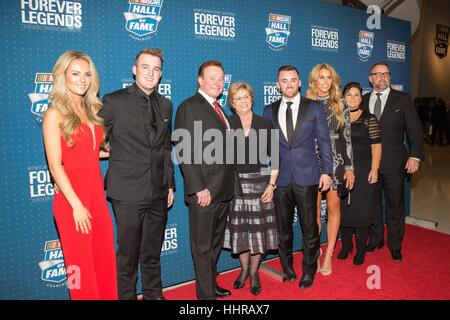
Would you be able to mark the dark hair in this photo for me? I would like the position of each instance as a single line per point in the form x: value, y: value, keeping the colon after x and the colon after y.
x: 379, y: 63
x: 288, y: 67
x: 350, y: 85
x: 151, y: 51
x: 209, y: 63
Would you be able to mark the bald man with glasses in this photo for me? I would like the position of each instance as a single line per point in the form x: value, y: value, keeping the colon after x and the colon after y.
x: 397, y: 116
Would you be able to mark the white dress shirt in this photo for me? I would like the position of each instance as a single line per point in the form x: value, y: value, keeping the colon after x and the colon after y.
x: 282, y: 112
x: 210, y: 101
x: 383, y: 98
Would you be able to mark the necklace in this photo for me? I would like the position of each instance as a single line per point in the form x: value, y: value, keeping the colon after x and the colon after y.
x: 354, y: 110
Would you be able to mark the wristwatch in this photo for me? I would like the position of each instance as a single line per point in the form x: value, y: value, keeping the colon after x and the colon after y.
x: 273, y: 185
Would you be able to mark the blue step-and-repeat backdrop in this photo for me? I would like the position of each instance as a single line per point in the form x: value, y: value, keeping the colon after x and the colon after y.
x: 252, y: 39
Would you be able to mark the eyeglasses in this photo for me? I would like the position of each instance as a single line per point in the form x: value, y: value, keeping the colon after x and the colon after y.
x: 381, y: 74
x: 239, y: 99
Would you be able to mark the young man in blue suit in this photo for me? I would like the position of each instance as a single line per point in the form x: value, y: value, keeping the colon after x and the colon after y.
x: 302, y: 123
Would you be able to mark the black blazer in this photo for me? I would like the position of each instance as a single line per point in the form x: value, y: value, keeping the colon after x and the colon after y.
x: 218, y: 177
x: 261, y: 153
x: 138, y: 160
x: 399, y: 116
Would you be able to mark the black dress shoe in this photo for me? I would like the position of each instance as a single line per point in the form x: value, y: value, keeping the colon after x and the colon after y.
x: 371, y: 247
x: 289, y: 275
x: 343, y: 254
x: 306, y: 281
x: 255, y: 284
x: 396, y: 255
x: 240, y: 281
x: 222, y: 292
x: 255, y: 290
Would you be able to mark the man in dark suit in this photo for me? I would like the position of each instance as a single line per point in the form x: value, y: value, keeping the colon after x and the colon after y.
x: 140, y: 179
x: 302, y: 123
x: 208, y: 179
x: 397, y: 116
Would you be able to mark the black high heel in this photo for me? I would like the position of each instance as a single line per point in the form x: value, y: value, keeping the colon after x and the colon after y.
x: 240, y: 281
x: 361, y: 238
x: 347, y: 242
x: 358, y: 259
x: 255, y: 284
x: 345, y: 251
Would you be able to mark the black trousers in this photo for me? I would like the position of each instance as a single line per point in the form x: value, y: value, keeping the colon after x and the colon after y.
x: 305, y: 199
x: 207, y: 232
x: 393, y: 187
x: 140, y: 234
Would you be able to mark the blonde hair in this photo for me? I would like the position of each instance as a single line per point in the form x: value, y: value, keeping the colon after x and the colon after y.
x: 335, y: 96
x: 60, y: 97
x: 235, y: 87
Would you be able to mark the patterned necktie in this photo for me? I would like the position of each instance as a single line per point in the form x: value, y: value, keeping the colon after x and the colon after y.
x: 219, y: 113
x: 377, y: 107
x: 289, y: 122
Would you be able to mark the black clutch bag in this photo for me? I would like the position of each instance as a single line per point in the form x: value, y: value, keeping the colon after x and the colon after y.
x: 342, y: 190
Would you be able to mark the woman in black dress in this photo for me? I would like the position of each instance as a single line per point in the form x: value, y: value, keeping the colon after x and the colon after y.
x: 356, y: 215
x: 251, y: 228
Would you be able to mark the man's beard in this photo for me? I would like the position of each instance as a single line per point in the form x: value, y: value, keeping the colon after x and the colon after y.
x: 382, y: 87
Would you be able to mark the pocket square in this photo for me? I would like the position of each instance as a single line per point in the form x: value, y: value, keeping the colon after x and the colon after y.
x: 396, y: 110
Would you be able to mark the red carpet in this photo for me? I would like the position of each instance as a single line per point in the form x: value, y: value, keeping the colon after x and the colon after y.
x: 423, y: 274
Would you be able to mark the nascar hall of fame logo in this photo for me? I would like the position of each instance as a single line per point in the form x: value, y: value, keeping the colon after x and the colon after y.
x: 271, y: 93
x: 214, y: 25
x: 395, y: 51
x: 52, y: 15
x: 223, y: 98
x: 164, y: 87
x: 441, y: 41
x: 323, y: 38
x: 277, y: 33
x: 53, y: 271
x: 41, y: 185
x: 39, y: 98
x: 365, y: 45
x: 142, y: 18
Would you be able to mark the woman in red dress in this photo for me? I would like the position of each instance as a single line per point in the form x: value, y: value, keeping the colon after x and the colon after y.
x: 73, y: 135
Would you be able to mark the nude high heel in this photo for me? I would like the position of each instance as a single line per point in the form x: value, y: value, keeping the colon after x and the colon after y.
x: 328, y: 271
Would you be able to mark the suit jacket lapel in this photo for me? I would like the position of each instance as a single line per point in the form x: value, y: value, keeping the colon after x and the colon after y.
x: 275, y: 110
x: 158, y: 127
x: 389, y: 103
x: 303, y: 107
